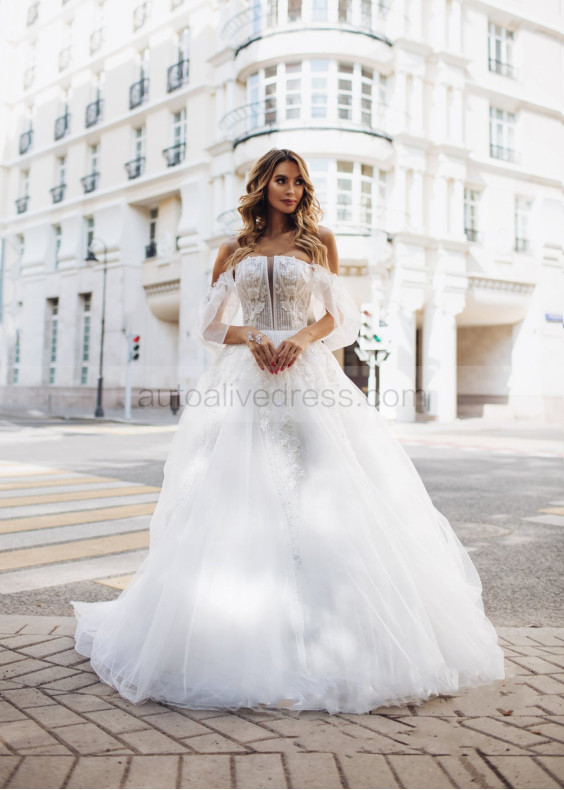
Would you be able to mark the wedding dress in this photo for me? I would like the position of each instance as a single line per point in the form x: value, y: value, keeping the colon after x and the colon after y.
x: 296, y: 559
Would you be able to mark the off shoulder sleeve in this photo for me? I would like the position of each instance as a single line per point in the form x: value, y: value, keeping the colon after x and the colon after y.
x: 330, y: 294
x: 216, y: 312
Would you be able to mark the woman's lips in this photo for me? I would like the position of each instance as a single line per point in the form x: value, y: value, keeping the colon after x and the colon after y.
x: 290, y: 202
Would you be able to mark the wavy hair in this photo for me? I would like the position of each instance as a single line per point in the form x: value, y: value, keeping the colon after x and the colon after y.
x: 253, y: 210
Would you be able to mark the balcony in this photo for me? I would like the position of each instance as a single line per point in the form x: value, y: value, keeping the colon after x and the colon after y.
x: 522, y: 245
x: 472, y: 234
x: 93, y: 113
x: 500, y: 152
x: 64, y: 58
x: 151, y: 250
x: 21, y: 204
x: 373, y: 19
x: 177, y: 75
x: 32, y: 14
x: 174, y: 155
x: 140, y: 15
x: 25, y: 141
x: 89, y: 182
x: 265, y: 117
x: 501, y: 67
x: 58, y: 193
x: 62, y: 126
x: 138, y: 92
x: 135, y: 167
x: 96, y: 40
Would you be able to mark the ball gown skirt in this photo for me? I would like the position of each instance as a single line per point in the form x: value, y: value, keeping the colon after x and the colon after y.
x: 296, y: 560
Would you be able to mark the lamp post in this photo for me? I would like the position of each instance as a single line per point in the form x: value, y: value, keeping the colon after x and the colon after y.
x: 91, y: 258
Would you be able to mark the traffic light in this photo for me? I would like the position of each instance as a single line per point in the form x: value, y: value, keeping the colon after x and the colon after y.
x: 369, y: 339
x: 134, y: 342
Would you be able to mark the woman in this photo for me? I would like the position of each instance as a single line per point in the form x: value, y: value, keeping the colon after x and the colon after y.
x: 296, y: 559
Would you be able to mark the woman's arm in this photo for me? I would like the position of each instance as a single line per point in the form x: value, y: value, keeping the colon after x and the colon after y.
x: 325, y: 325
x: 235, y: 334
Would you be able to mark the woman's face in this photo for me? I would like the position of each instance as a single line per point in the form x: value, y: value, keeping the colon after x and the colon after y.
x: 286, y: 187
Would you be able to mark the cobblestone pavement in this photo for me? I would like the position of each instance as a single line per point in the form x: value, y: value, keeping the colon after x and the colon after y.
x: 61, y: 727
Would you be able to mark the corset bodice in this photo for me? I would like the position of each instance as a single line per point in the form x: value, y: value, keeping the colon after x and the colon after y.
x: 274, y: 290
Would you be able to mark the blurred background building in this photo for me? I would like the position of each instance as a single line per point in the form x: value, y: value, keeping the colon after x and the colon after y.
x: 433, y: 133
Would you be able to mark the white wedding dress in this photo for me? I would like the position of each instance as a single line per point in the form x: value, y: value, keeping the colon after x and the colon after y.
x: 296, y: 559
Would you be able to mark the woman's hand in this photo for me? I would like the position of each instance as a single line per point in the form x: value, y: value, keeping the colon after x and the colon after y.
x: 262, y: 351
x: 288, y: 352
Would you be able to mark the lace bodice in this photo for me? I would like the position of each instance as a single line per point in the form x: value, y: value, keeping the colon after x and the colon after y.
x: 274, y: 290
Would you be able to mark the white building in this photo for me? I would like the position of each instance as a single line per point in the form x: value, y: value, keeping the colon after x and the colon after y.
x: 433, y: 132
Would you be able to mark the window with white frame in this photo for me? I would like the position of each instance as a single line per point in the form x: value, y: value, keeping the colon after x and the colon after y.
x: 183, y: 43
x: 85, y: 328
x: 319, y: 87
x: 500, y: 49
x: 293, y: 89
x: 52, y: 334
x: 502, y: 134
x: 179, y: 127
x: 94, y: 155
x: 352, y: 194
x: 294, y: 10
x: 16, y: 357
x: 471, y: 217
x: 139, y: 142
x: 523, y: 208
x: 57, y: 232
x: 61, y: 169
x: 88, y: 232
x: 24, y: 183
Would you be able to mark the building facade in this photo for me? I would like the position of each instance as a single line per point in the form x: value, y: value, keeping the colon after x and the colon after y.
x: 433, y: 134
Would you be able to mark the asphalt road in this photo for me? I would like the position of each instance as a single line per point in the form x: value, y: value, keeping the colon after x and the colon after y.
x: 489, y: 498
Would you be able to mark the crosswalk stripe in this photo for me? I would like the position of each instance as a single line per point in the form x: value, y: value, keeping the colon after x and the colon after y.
x: 63, y: 481
x: 558, y: 511
x: 26, y: 523
x: 21, y: 470
x: 74, y: 550
x: 74, y: 496
x: 116, y: 582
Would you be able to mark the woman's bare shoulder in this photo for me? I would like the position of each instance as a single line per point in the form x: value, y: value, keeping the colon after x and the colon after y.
x: 226, y: 249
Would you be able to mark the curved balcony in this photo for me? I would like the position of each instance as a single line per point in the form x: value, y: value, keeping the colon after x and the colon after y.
x: 371, y: 18
x: 264, y: 117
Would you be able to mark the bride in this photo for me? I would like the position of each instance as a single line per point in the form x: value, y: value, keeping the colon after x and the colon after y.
x: 296, y: 560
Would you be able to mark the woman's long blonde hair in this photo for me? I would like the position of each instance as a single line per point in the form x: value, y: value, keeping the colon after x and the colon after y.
x: 253, y: 210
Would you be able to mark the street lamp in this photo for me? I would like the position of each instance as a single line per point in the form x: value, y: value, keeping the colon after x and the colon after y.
x: 91, y: 258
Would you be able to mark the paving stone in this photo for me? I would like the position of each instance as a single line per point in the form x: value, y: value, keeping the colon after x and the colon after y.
x: 354, y: 737
x: 214, y: 743
x: 555, y: 766
x: 419, y: 771
x: 554, y: 730
x: 43, y: 751
x: 552, y: 703
x: 151, y: 742
x: 117, y: 721
x: 367, y: 770
x: 9, y: 656
x: 281, y: 745
x: 40, y: 772
x: 98, y: 772
x: 74, y: 682
x: 152, y: 771
x: 499, y: 728
x: 88, y: 739
x: 70, y: 658
x: 210, y: 771
x: 22, y: 667
x: 82, y: 702
x: 54, y: 716
x: 239, y: 729
x: 7, y: 767
x: 523, y: 772
x: 139, y: 709
x: 9, y: 712
x: 536, y: 665
x: 259, y: 770
x: 312, y: 770
x: 20, y: 735
x: 100, y: 689
x: 176, y: 725
x: 48, y: 675
x: 468, y: 769
x: 45, y: 648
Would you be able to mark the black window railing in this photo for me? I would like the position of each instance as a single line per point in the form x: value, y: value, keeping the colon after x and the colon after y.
x: 138, y: 92
x: 90, y: 182
x: 62, y: 125
x: 501, y: 152
x: 58, y: 193
x: 501, y: 67
x: 21, y: 204
x: 177, y: 75
x: 93, y: 112
x: 174, y: 155
x: 140, y: 15
x: 135, y: 167
x: 151, y: 250
x: 472, y: 234
x: 26, y: 138
x: 522, y: 245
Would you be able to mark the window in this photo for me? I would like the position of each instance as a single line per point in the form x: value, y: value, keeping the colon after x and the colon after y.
x: 319, y: 74
x: 58, y: 238
x: 89, y: 232
x: 183, y: 39
x: 293, y: 90
x: 500, y: 50
x: 154, y: 213
x: 94, y: 153
x: 320, y: 10
x: 345, y: 91
x: 366, y: 81
x: 344, y: 191
x: 24, y: 183
x: 139, y: 143
x: 270, y: 83
x: 352, y: 194
x: 179, y: 127
x: 522, y: 219
x: 86, y: 320
x: 294, y: 10
x: 471, y: 199
x: 502, y: 134
x: 17, y: 355
x: 53, y: 328
x: 61, y: 169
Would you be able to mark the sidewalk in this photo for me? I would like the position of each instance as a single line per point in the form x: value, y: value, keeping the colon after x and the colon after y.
x: 63, y: 728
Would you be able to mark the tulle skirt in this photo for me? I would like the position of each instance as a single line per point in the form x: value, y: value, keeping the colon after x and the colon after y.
x: 296, y: 560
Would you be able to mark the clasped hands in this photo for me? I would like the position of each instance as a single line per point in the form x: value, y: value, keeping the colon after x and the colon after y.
x: 274, y: 359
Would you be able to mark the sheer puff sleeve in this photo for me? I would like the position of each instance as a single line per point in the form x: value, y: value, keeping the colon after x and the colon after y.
x: 216, y: 312
x: 330, y: 294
